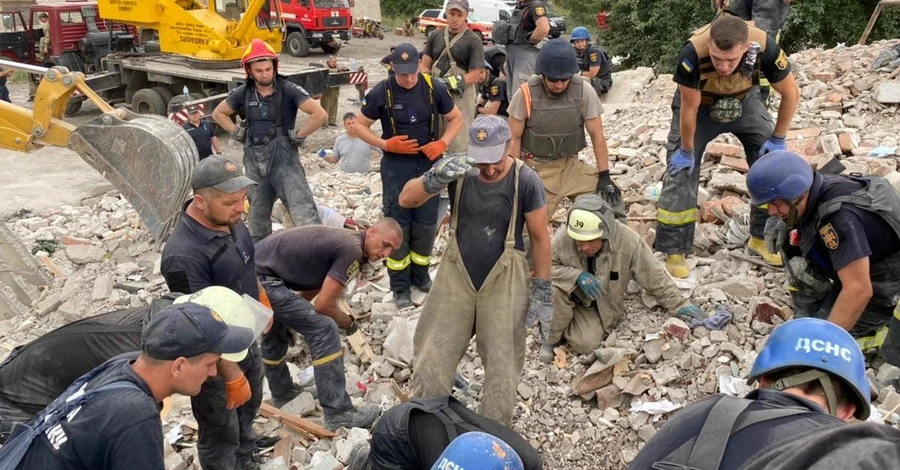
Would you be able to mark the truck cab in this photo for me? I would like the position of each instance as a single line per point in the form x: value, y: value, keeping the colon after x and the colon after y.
x: 315, y: 23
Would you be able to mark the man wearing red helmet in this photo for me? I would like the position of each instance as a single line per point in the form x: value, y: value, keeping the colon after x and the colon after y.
x: 271, y: 159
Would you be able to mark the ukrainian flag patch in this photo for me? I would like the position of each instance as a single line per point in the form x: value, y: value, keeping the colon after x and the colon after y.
x: 688, y: 66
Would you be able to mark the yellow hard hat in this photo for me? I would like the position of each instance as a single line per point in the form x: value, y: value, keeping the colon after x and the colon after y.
x: 584, y: 225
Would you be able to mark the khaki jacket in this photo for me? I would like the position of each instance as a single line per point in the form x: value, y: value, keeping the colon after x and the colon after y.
x: 624, y: 257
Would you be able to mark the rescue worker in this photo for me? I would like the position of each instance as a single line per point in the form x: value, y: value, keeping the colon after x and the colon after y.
x: 548, y: 117
x: 202, y: 133
x: 593, y: 61
x: 44, y: 48
x: 210, y: 246
x: 456, y: 56
x: 496, y: 58
x: 330, y: 97
x: 844, y: 249
x: 109, y: 417
x: 494, y: 98
x: 594, y: 259
x: 409, y: 105
x: 528, y: 26
x: 4, y: 91
x: 271, y: 145
x: 718, y: 92
x: 811, y: 375
x: 481, y: 287
x: 318, y: 262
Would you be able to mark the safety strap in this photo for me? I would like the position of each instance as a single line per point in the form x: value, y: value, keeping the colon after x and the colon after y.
x: 433, y: 119
x: 276, y: 102
x: 446, y: 52
x: 451, y: 420
x: 526, y: 97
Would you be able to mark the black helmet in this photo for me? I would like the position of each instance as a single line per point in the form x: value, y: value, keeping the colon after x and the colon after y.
x: 557, y: 60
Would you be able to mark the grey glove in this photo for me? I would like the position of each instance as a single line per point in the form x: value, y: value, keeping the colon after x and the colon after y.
x: 446, y: 171
x: 541, y: 307
x: 296, y: 140
x: 239, y: 134
x: 776, y: 233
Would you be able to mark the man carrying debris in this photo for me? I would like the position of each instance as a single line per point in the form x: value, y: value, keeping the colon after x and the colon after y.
x: 811, y: 376
x: 548, y: 117
x: 481, y: 287
x: 593, y: 61
x: 409, y: 105
x: 528, y: 26
x: 109, y: 417
x: 594, y: 259
x: 271, y: 145
x: 718, y: 92
x: 843, y: 247
x: 210, y: 246
x: 456, y: 56
x: 317, y: 261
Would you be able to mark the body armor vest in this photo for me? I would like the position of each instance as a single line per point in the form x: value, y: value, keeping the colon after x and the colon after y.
x: 713, y: 85
x: 554, y: 127
x: 257, y: 111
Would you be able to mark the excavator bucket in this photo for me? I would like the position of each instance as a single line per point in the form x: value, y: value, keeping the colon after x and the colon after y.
x: 147, y: 158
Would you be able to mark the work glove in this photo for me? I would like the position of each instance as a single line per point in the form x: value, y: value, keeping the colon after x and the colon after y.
x: 682, y: 160
x: 239, y: 134
x: 690, y: 312
x: 402, y: 144
x: 455, y: 83
x: 322, y: 154
x: 776, y: 233
x: 237, y: 392
x: 541, y: 307
x: 296, y: 140
x: 435, y: 149
x: 448, y: 170
x: 610, y: 193
x: 774, y: 143
x: 591, y: 286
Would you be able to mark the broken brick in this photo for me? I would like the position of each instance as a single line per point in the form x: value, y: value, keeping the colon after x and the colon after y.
x: 848, y: 142
x: 829, y: 145
x: 764, y: 309
x: 823, y: 76
x: 724, y: 150
x: 739, y: 164
x: 677, y: 328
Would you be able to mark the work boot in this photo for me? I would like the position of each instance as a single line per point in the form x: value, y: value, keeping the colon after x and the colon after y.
x: 359, y: 457
x: 295, y: 390
x: 403, y: 299
x: 353, y: 418
x: 757, y: 246
x: 547, y: 353
x: 263, y: 442
x: 426, y: 288
x: 677, y: 266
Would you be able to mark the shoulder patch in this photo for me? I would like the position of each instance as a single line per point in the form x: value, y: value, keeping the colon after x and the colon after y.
x: 540, y: 11
x: 594, y: 57
x: 829, y: 237
x: 352, y: 269
x: 782, y: 61
x: 495, y: 90
x: 687, y: 65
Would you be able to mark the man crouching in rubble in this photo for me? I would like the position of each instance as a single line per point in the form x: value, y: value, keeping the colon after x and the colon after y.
x: 593, y: 260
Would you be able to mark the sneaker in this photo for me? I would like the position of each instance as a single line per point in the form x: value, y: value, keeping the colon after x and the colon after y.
x: 426, y: 288
x: 353, y: 418
x: 677, y: 266
x: 547, y: 353
x: 403, y: 299
x: 295, y: 390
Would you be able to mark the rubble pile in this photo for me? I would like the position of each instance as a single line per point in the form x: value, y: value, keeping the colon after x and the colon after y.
x: 583, y: 411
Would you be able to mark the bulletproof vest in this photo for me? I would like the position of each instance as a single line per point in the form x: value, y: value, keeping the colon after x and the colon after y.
x: 714, y: 85
x: 256, y: 111
x: 554, y: 127
x: 516, y: 24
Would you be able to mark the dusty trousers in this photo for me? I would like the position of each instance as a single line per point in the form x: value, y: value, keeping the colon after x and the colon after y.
x: 677, y: 206
x: 226, y: 438
x: 467, y: 102
x: 520, y: 60
x: 275, y: 167
x: 564, y: 177
x: 495, y: 314
x: 330, y: 103
x: 321, y: 335
x: 580, y: 326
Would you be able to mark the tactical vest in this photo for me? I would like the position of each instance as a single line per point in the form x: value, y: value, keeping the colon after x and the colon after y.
x: 554, y: 127
x: 253, y: 111
x: 517, y: 24
x: 714, y: 85
x: 434, y: 115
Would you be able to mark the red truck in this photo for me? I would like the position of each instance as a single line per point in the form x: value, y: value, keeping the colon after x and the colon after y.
x: 315, y: 23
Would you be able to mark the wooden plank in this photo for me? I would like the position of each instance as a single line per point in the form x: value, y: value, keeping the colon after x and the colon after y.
x: 361, y: 347
x: 270, y: 411
x: 398, y: 392
x: 283, y: 451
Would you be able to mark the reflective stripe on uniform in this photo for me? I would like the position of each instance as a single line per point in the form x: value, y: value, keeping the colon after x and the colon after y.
x: 873, y: 341
x: 676, y: 218
x: 897, y: 311
x: 325, y: 360
x: 272, y: 362
x: 397, y: 264
x: 421, y: 260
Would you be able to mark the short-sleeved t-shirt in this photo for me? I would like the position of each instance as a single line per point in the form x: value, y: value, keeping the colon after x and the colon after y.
x: 496, y: 92
x: 467, y: 52
x: 534, y: 11
x: 114, y: 429
x: 353, y: 153
x: 592, y: 56
x: 412, y: 112
x: 484, y: 215
x: 294, y: 96
x: 202, y: 136
x: 775, y: 65
x: 591, y: 103
x: 303, y: 257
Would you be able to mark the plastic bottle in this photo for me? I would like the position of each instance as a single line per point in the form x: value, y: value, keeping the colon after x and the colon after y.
x: 652, y: 192
x: 323, y: 153
x: 186, y: 93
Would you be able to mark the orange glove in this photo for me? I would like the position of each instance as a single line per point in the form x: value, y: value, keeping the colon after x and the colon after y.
x: 435, y: 149
x: 402, y: 144
x: 264, y: 298
x: 237, y: 392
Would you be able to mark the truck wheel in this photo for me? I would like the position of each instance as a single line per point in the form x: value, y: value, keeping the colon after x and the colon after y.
x: 148, y: 101
x: 164, y: 93
x: 73, y: 106
x: 329, y: 49
x: 296, y: 44
x: 428, y: 31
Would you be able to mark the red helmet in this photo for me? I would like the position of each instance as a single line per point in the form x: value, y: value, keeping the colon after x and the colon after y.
x: 258, y: 50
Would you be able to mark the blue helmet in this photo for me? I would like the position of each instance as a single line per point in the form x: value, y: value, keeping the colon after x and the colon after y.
x: 479, y: 451
x: 816, y: 344
x: 557, y: 60
x: 580, y: 33
x: 778, y: 175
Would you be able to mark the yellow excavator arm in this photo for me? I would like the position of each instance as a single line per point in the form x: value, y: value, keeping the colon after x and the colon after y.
x: 147, y: 158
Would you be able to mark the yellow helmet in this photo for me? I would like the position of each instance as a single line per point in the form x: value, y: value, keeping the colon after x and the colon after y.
x: 584, y: 226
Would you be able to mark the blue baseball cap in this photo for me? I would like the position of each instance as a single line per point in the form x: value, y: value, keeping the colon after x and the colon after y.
x: 405, y: 59
x: 189, y: 330
x: 488, y: 137
x: 478, y: 451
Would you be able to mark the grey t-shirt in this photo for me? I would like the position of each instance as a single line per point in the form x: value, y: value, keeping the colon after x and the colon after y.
x: 484, y: 214
x: 353, y: 154
x: 468, y: 51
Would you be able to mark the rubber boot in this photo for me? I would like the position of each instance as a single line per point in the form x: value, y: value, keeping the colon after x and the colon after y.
x: 547, y: 354
x: 403, y: 299
x: 426, y: 288
x: 757, y: 246
x: 353, y: 418
x: 677, y: 266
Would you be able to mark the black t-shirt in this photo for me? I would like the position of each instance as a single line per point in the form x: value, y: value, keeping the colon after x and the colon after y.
x: 467, y: 52
x: 196, y: 257
x: 775, y: 65
x: 303, y: 256
x: 534, y: 11
x: 496, y: 92
x: 202, y: 135
x: 294, y: 96
x: 591, y: 56
x: 116, y: 429
x: 412, y: 111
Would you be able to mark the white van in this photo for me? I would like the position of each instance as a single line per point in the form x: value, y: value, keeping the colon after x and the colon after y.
x: 488, y: 10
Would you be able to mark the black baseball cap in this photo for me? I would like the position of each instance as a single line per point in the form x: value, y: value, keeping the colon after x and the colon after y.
x: 189, y: 330
x: 220, y: 173
x: 193, y: 109
x: 405, y: 59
